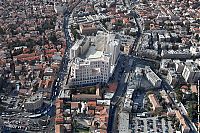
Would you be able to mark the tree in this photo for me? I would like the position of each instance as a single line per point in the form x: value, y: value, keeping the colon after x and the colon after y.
x: 179, y: 94
x: 197, y: 37
x: 194, y: 97
x: 192, y: 109
x: 149, y: 92
x: 159, y: 98
x: 2, y: 32
x: 119, y: 23
x: 53, y: 38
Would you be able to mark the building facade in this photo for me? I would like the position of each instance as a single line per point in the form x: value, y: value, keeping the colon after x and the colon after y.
x: 34, y: 102
x: 152, y: 77
x: 191, y: 72
x: 93, y: 60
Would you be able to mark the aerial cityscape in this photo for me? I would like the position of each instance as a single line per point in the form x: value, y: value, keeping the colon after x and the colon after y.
x: 99, y: 66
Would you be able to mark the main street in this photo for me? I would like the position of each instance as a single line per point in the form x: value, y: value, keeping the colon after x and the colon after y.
x: 62, y: 70
x: 121, y: 90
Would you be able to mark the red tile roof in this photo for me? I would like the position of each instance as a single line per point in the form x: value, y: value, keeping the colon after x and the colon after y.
x: 50, y: 51
x: 125, y: 20
x: 30, y: 58
x: 112, y: 87
x: 74, y: 105
x: 59, y: 120
x: 92, y: 103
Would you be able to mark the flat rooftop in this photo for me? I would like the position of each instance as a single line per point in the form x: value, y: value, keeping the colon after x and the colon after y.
x: 92, y: 53
x: 34, y: 98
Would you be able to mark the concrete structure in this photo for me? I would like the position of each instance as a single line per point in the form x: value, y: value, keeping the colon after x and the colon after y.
x: 34, y: 102
x: 94, y: 59
x: 152, y: 77
x: 191, y: 72
x: 172, y: 77
x: 178, y: 54
x: 179, y: 66
x: 123, y: 119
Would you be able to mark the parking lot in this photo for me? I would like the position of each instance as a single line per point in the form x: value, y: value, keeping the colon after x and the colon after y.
x: 151, y: 125
x: 20, y: 122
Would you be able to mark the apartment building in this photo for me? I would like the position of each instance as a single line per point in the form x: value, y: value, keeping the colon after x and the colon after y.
x: 184, y: 127
x: 123, y: 122
x: 191, y: 72
x: 155, y: 103
x: 88, y: 29
x: 152, y: 77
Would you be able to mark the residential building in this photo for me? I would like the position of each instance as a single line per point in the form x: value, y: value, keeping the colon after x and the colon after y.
x: 123, y: 120
x: 178, y: 54
x: 86, y: 97
x: 172, y: 77
x: 195, y: 50
x: 88, y: 29
x: 179, y: 66
x: 191, y: 72
x: 184, y: 126
x: 152, y: 77
x: 165, y: 96
x: 126, y: 42
x: 154, y: 102
x: 63, y: 119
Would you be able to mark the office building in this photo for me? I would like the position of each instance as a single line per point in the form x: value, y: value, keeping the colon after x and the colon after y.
x: 93, y: 59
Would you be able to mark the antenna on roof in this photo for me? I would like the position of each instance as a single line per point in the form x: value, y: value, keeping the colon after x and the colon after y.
x: 105, y: 42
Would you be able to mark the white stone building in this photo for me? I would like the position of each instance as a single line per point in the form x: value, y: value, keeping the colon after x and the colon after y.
x: 93, y: 59
x: 152, y: 77
x: 172, y: 77
x: 123, y: 125
x: 191, y: 72
x: 195, y: 50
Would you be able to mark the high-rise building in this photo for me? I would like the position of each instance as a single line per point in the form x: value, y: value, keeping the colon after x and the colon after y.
x: 93, y: 59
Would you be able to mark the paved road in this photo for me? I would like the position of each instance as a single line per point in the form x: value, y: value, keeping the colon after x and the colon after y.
x: 62, y: 70
x: 119, y: 92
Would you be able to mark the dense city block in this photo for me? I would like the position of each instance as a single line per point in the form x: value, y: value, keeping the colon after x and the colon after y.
x: 99, y: 66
